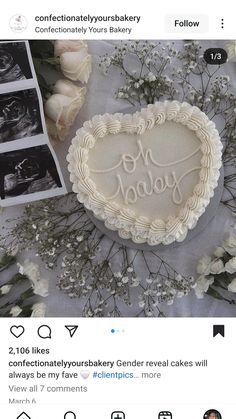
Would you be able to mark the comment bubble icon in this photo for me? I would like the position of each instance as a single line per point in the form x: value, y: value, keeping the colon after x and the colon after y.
x: 45, y: 332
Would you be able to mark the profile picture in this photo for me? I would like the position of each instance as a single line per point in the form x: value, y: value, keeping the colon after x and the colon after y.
x: 19, y: 115
x: 212, y: 414
x: 27, y: 171
x: 14, y: 62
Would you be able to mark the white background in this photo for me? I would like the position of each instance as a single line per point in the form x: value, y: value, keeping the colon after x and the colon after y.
x: 188, y: 391
x: 153, y: 24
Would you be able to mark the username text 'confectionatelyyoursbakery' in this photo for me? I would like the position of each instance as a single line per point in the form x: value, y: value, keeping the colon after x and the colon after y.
x: 119, y: 23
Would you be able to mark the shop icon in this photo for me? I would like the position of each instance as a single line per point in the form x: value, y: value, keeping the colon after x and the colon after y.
x: 165, y: 414
x: 118, y: 415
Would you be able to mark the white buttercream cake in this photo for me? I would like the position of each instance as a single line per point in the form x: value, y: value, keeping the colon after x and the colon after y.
x: 149, y: 175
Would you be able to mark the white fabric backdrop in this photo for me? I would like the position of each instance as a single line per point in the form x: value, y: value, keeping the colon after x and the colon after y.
x: 100, y: 99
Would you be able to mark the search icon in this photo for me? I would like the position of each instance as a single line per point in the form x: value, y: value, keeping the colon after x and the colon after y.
x: 44, y: 332
x: 69, y: 415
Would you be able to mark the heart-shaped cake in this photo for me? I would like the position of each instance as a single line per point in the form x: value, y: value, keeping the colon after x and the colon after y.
x: 149, y: 175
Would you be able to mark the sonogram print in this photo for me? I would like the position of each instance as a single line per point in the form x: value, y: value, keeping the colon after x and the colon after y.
x: 26, y: 171
x: 14, y: 62
x: 19, y: 115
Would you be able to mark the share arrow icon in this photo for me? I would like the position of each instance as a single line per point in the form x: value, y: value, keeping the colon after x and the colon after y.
x: 71, y: 329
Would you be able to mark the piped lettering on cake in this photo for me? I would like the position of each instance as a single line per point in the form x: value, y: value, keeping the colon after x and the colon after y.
x: 156, y: 185
x: 129, y: 162
x: 151, y: 185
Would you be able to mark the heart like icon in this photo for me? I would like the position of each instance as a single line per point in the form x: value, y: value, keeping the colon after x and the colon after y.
x: 85, y: 374
x: 17, y: 331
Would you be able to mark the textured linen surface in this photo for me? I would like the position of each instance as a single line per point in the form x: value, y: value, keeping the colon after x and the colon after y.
x: 100, y: 99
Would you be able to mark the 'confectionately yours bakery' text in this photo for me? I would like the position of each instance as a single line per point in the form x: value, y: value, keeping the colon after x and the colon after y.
x: 85, y: 30
x: 91, y: 24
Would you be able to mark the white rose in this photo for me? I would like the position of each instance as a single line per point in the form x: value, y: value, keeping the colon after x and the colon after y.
x: 230, y: 266
x: 38, y: 310
x: 30, y: 269
x: 62, y: 110
x: 59, y: 129
x: 202, y: 285
x: 76, y: 65
x: 52, y: 131
x: 15, y: 311
x: 231, y: 50
x: 217, y: 266
x: 61, y: 46
x: 219, y: 252
x: 68, y: 88
x: 232, y: 285
x: 203, y: 266
x: 5, y: 289
x: 229, y: 244
x: 41, y: 288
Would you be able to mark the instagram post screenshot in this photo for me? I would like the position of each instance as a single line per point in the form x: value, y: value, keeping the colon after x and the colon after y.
x: 117, y: 211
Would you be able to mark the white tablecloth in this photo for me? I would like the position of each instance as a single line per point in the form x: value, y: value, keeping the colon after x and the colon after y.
x: 100, y: 99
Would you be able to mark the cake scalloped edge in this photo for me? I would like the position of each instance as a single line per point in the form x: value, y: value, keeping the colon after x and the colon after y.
x: 140, y: 229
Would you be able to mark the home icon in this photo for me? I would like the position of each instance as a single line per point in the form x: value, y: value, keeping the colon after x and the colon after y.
x: 23, y: 415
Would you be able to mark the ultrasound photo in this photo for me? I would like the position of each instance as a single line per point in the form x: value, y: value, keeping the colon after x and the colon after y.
x: 27, y: 171
x: 14, y: 62
x: 19, y: 115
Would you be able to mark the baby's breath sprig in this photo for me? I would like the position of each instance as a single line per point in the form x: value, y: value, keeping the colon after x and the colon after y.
x: 148, y: 81
x: 102, y: 273
x: 161, y: 71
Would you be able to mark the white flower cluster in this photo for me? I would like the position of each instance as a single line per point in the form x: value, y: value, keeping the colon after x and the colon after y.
x: 147, y: 82
x: 222, y: 265
x: 32, y: 285
x: 31, y: 270
x: 67, y: 99
x: 38, y: 310
x: 230, y: 47
x: 5, y: 289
